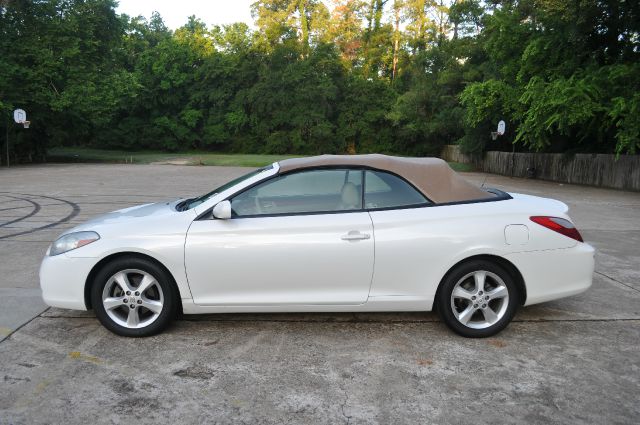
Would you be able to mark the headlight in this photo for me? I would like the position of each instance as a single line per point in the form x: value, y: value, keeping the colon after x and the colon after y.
x: 72, y: 241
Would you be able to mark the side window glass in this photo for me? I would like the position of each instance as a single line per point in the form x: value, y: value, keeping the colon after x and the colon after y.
x: 302, y: 192
x: 384, y: 190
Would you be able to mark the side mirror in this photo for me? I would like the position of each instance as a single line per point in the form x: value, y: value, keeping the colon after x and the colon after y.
x: 222, y: 210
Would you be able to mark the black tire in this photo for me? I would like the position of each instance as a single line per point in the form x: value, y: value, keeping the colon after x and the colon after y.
x: 446, y: 309
x: 164, y: 280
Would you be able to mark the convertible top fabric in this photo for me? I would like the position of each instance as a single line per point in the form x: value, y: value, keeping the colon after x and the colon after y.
x: 432, y: 176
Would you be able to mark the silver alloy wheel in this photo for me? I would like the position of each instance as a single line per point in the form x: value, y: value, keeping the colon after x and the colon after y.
x: 133, y: 298
x: 479, y: 299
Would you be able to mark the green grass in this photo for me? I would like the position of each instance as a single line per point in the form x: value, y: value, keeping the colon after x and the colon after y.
x: 148, y: 157
x: 463, y: 168
x: 182, y: 158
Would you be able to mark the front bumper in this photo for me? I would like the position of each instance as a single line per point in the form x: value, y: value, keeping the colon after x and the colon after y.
x: 62, y: 280
x: 555, y: 273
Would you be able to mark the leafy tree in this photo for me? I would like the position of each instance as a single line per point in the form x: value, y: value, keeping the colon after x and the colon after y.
x: 292, y: 105
x: 280, y: 20
x: 554, y: 71
x: 345, y: 30
x: 397, y: 76
x: 363, y: 125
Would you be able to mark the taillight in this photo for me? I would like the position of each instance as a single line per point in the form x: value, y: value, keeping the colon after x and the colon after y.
x: 559, y: 225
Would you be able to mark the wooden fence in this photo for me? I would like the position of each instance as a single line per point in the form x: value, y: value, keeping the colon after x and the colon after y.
x: 452, y: 153
x: 589, y: 169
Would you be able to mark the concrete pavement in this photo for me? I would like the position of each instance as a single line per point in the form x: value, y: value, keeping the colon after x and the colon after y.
x: 575, y: 360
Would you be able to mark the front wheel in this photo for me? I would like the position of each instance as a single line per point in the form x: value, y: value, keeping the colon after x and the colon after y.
x: 478, y: 299
x: 134, y: 297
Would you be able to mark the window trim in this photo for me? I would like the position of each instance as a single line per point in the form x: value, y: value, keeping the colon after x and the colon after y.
x: 207, y: 215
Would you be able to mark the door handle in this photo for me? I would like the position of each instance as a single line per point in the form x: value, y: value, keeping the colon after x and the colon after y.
x: 354, y: 235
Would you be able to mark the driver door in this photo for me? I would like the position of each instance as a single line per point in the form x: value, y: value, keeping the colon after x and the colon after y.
x: 297, y: 239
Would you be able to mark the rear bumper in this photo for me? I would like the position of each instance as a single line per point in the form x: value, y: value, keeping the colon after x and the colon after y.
x: 555, y: 273
x: 62, y: 280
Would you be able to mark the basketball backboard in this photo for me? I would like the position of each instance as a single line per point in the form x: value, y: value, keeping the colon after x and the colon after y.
x: 19, y: 116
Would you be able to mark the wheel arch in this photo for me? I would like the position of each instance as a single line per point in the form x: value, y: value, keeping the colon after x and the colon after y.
x: 109, y: 258
x: 501, y: 261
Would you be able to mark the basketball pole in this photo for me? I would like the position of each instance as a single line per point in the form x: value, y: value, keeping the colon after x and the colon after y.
x: 8, y: 121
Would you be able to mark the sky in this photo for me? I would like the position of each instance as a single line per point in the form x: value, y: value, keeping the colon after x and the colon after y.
x: 175, y: 13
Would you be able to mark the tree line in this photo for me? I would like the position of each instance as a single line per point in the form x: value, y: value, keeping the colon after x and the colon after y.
x: 311, y: 76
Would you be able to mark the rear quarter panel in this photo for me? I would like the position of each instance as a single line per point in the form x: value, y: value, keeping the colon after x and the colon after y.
x: 416, y: 247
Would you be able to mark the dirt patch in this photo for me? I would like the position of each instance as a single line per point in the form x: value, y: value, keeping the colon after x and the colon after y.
x: 195, y: 372
x: 497, y: 343
x: 181, y: 161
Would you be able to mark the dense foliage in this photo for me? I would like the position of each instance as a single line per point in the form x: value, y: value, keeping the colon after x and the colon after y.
x: 399, y: 76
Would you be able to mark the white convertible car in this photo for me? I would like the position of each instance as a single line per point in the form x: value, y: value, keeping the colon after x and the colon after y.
x: 324, y: 234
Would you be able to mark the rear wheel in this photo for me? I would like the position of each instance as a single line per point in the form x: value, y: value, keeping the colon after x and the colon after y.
x: 134, y: 297
x: 478, y: 299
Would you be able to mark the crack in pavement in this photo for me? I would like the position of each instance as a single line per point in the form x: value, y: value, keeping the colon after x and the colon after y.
x: 7, y: 336
x: 616, y: 280
x: 344, y: 404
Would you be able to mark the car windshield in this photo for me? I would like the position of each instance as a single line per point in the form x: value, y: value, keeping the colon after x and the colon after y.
x: 193, y: 202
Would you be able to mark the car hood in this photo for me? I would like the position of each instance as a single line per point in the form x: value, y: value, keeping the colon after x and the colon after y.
x: 129, y: 215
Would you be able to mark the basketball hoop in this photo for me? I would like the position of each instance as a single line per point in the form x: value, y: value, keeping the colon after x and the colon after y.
x: 20, y: 117
x: 501, y: 129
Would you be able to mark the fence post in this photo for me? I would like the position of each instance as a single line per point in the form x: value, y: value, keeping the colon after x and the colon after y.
x: 513, y: 158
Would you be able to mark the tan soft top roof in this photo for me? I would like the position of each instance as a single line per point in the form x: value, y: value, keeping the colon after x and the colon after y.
x: 432, y: 176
